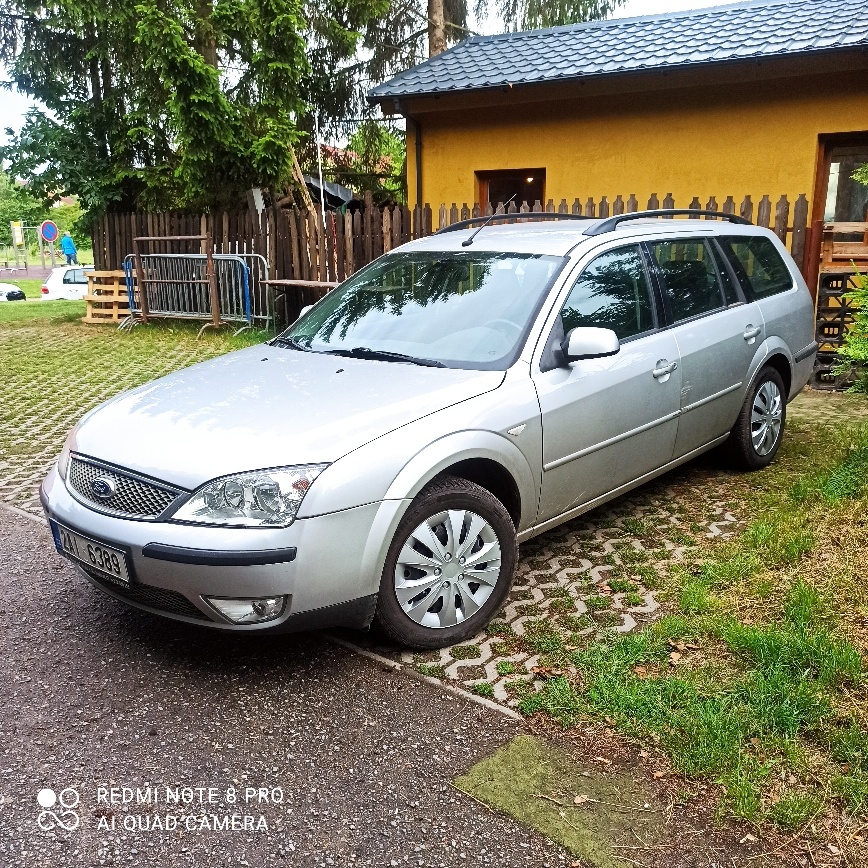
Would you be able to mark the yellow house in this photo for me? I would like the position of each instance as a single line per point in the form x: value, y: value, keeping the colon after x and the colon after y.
x: 759, y: 98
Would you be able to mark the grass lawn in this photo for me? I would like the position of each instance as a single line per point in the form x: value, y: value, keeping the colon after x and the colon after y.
x: 755, y: 678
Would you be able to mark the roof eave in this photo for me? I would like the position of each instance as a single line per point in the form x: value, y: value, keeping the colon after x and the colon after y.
x: 397, y: 98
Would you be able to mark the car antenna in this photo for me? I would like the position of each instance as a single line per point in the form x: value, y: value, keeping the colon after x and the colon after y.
x: 468, y: 241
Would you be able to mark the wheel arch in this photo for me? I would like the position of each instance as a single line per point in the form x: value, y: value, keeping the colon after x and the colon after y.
x: 774, y: 353
x: 488, y: 459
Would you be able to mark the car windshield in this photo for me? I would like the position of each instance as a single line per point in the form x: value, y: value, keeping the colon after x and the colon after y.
x: 463, y: 310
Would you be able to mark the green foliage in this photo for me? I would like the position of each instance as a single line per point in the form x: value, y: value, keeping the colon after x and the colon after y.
x: 17, y: 203
x: 853, y: 353
x: 179, y: 105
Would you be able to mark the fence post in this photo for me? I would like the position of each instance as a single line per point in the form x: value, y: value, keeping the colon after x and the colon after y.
x: 632, y: 204
x: 668, y: 201
x: 746, y: 209
x: 800, y: 223
x: 590, y: 208
x: 603, y: 209
x: 764, y: 212
x: 653, y: 202
x: 368, y: 226
x: 577, y: 206
x: 782, y: 214
x: 728, y: 206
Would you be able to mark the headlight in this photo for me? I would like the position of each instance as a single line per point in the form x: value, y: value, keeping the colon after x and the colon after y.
x: 63, y: 458
x: 261, y: 498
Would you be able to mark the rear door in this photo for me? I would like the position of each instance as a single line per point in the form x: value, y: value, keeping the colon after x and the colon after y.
x: 787, y: 310
x: 717, y: 331
x: 607, y: 421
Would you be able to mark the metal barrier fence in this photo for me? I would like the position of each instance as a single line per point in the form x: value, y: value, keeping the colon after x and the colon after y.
x: 177, y: 286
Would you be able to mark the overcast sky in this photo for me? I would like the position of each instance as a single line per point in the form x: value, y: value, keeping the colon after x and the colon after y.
x: 13, y: 105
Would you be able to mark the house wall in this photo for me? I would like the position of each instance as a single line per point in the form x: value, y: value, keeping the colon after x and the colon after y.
x: 725, y: 138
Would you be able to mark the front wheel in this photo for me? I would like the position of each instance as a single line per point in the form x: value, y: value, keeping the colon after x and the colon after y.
x: 757, y: 433
x: 449, y: 567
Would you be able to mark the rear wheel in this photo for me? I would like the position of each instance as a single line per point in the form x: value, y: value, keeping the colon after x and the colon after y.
x: 449, y: 567
x: 757, y: 433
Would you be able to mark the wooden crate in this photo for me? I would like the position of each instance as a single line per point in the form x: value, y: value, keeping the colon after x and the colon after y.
x: 107, y: 298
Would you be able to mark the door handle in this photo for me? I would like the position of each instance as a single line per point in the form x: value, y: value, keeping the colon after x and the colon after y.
x: 750, y: 332
x: 664, y: 369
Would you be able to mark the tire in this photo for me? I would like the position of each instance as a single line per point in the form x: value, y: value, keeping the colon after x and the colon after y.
x: 432, y: 617
x: 759, y: 429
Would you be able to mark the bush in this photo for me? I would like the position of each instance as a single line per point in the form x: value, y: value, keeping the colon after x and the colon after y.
x: 853, y: 353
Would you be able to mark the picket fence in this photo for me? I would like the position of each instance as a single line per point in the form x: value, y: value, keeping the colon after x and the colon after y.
x: 299, y: 246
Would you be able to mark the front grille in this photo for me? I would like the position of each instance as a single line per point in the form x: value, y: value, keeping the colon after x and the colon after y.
x: 170, y: 602
x: 133, y: 496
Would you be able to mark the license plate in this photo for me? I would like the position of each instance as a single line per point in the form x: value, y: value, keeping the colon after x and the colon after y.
x: 98, y: 556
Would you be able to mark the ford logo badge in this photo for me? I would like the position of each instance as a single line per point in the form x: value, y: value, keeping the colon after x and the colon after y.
x: 103, y: 487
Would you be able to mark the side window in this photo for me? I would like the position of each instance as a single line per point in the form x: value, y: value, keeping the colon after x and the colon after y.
x: 689, y: 275
x: 758, y: 265
x: 79, y: 276
x: 613, y: 293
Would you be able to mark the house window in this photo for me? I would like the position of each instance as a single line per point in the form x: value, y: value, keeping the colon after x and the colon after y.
x: 527, y: 185
x: 846, y: 199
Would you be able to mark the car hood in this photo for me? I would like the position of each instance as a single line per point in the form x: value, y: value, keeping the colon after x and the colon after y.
x: 266, y: 407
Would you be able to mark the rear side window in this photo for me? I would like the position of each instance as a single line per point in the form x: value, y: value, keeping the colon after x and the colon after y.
x: 757, y: 264
x: 689, y: 275
x: 612, y: 293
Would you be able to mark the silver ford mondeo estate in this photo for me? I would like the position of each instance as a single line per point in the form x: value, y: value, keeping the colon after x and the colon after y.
x: 382, y: 459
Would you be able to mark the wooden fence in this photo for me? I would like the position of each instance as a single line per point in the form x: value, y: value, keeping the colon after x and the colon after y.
x: 298, y: 246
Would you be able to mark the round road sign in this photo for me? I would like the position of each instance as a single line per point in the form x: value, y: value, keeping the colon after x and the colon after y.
x: 49, y: 231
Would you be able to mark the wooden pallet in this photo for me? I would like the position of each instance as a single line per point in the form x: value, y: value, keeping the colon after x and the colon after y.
x: 107, y: 298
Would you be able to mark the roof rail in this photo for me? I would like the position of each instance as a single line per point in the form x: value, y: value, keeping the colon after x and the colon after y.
x: 611, y: 223
x: 518, y: 215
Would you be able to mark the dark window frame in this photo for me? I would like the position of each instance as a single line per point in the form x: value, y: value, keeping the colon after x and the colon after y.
x: 742, y: 277
x: 669, y: 320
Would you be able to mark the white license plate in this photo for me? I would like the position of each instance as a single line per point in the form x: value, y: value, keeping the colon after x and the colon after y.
x: 98, y: 556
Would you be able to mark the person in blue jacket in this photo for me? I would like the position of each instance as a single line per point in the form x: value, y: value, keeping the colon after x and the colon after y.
x: 67, y: 245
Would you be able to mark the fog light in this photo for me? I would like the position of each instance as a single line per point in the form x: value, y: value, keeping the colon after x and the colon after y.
x: 249, y: 610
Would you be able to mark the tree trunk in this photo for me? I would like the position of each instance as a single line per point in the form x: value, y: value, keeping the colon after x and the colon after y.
x: 436, y: 28
x: 206, y: 44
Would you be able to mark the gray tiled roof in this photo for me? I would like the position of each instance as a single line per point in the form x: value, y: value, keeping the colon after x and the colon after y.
x: 721, y: 33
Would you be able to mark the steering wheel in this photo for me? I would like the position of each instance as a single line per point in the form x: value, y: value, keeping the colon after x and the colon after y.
x: 495, y: 322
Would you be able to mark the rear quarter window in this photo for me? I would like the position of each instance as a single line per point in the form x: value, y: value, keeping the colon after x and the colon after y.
x: 757, y: 264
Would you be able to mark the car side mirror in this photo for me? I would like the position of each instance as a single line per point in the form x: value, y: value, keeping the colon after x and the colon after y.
x: 590, y: 343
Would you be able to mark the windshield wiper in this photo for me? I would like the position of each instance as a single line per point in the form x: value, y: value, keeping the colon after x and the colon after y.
x: 289, y: 342
x: 385, y: 356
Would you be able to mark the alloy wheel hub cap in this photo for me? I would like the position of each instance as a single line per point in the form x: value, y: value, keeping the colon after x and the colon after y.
x: 447, y: 568
x: 766, y: 417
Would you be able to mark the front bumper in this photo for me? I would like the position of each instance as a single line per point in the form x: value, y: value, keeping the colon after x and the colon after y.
x: 328, y: 566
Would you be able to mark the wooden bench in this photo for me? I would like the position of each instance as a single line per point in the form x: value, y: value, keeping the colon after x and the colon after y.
x: 107, y: 298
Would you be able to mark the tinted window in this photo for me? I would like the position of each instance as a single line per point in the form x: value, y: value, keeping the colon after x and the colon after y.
x: 758, y: 265
x: 689, y: 277
x: 612, y: 293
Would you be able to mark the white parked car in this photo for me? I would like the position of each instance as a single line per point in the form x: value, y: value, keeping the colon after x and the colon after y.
x: 67, y: 281
x: 10, y: 292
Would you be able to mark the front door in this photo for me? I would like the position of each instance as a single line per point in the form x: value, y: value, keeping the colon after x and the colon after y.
x: 717, y: 333
x: 608, y: 421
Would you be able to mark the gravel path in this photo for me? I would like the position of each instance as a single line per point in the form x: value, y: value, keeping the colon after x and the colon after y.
x: 96, y: 696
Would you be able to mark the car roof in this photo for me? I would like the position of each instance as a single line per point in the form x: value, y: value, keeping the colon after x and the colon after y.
x: 560, y: 237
